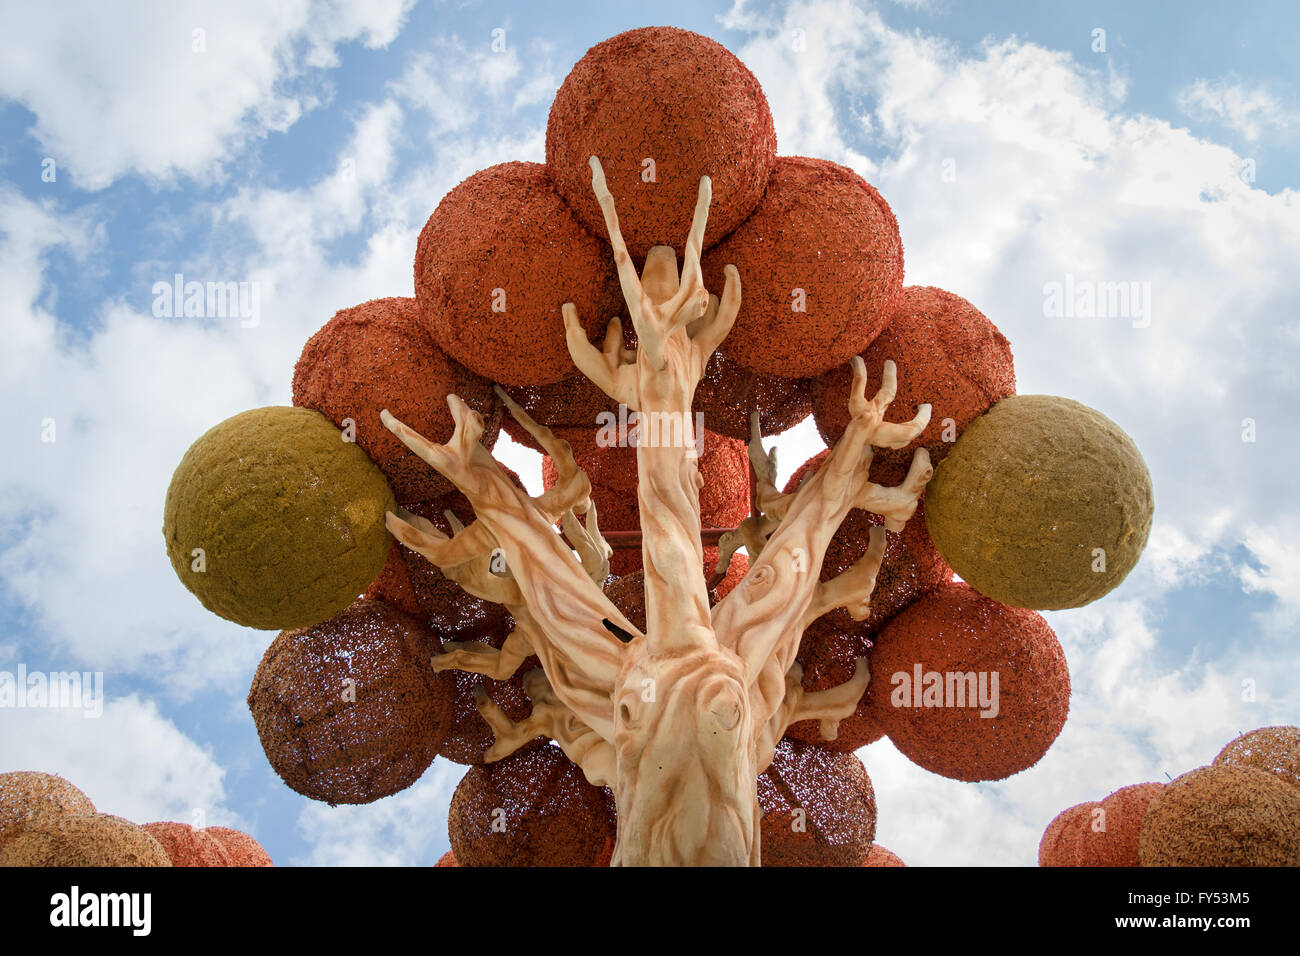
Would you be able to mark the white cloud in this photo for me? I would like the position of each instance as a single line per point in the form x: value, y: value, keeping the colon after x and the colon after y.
x: 1249, y: 111
x: 117, y: 90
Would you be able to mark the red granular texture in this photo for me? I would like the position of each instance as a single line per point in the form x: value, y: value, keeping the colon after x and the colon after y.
x: 822, y: 229
x: 627, y: 593
x: 186, y: 846
x: 447, y: 859
x: 676, y: 98
x: 393, y: 584
x: 568, y: 406
x: 504, y: 240
x: 349, y: 710
x: 838, y: 819
x: 380, y: 355
x: 1112, y: 840
x: 1060, y: 843
x: 957, y: 630
x: 533, y: 808
x: 911, y: 568
x: 1275, y: 749
x: 736, y: 571
x: 241, y: 848
x: 728, y: 393
x: 948, y: 354
x: 469, y: 735
x: 724, y: 499
x: 828, y: 655
x: 879, y: 856
x: 1223, y: 815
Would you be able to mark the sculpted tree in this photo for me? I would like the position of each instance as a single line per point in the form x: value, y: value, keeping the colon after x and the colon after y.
x: 708, y: 698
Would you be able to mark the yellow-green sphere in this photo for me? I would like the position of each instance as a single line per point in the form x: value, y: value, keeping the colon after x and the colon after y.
x: 274, y: 521
x: 1042, y: 503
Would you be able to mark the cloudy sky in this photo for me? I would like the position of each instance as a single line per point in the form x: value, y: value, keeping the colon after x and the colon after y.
x: 306, y: 142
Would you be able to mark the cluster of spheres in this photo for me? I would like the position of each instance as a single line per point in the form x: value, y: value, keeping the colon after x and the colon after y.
x: 46, y: 821
x: 1243, y: 809
x: 274, y: 518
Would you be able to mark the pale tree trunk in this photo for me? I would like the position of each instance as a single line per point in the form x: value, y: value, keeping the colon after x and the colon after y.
x: 678, y: 721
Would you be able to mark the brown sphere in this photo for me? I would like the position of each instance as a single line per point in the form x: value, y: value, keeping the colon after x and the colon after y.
x: 828, y: 654
x: 879, y: 856
x: 240, y: 848
x: 86, y: 839
x: 571, y: 405
x: 1275, y: 749
x: 533, y: 808
x: 911, y: 567
x: 379, y: 355
x: 724, y: 498
x: 948, y: 355
x: 349, y: 710
x: 728, y: 393
x: 1059, y: 845
x: 496, y: 261
x: 1223, y: 815
x: 1110, y: 836
x: 29, y: 796
x: 683, y: 102
x: 821, y: 267
x: 1042, y: 503
x: 393, y: 585
x: 819, y: 808
x: 956, y: 631
x: 187, y: 846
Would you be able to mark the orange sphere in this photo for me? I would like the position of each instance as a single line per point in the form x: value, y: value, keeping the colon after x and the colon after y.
x: 728, y: 393
x: 241, y: 848
x: 879, y: 856
x: 661, y: 107
x: 496, y: 261
x: 818, y: 808
x: 954, y: 657
x: 1275, y: 749
x: 1060, y: 843
x: 447, y: 859
x: 828, y: 655
x: 533, y: 808
x: 1110, y: 837
x: 821, y: 266
x: 948, y: 354
x: 186, y: 846
x: 380, y: 355
x: 349, y: 710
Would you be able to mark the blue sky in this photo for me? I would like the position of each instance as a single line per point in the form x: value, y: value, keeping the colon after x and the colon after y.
x: 306, y: 145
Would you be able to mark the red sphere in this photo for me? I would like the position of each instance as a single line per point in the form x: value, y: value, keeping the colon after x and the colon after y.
x: 380, y: 355
x: 186, y: 846
x: 948, y: 354
x: 953, y: 719
x: 728, y: 393
x: 819, y: 808
x: 1109, y: 836
x: 821, y: 268
x: 879, y: 856
x: 828, y: 655
x: 1060, y: 843
x: 241, y: 848
x: 661, y: 107
x: 496, y: 261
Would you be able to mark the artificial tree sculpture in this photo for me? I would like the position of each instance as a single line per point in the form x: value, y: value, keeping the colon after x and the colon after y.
x: 680, y: 720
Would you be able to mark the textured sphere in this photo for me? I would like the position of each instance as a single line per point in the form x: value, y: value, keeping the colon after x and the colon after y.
x: 724, y: 498
x: 678, y: 99
x: 1275, y: 749
x: 1059, y: 845
x: 828, y: 654
x: 288, y: 515
x: 88, y: 839
x: 573, y: 405
x: 447, y: 859
x: 1112, y: 840
x: 1223, y: 816
x: 30, y: 796
x: 380, y: 355
x: 879, y: 856
x: 728, y: 393
x: 240, y: 848
x: 533, y: 808
x: 349, y: 711
x: 911, y: 567
x: 188, y: 846
x: 819, y: 808
x: 948, y: 354
x: 821, y: 267
x: 496, y: 261
x: 1042, y: 503
x: 968, y: 640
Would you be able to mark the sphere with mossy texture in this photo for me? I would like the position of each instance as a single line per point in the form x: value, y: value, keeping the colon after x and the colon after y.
x: 273, y: 520
x: 86, y: 839
x: 661, y: 107
x: 1223, y: 816
x: 1042, y: 503
x: 1275, y: 749
x: 29, y: 796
